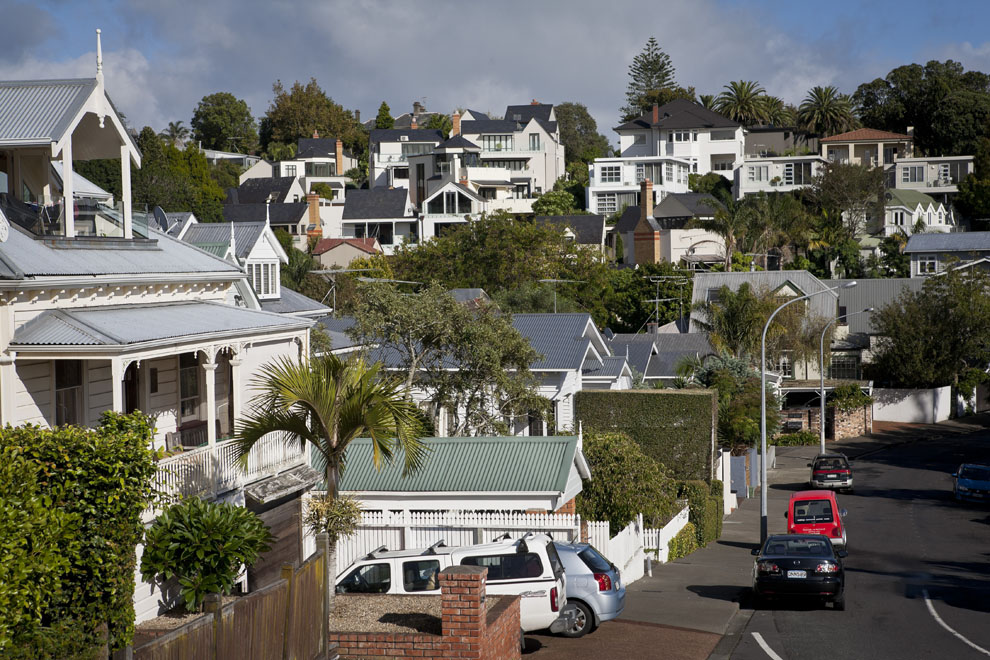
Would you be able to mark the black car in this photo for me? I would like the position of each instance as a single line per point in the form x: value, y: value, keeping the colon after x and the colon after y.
x: 831, y: 471
x: 800, y: 565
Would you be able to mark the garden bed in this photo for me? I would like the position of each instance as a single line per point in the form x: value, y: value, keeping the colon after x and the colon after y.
x: 360, y: 613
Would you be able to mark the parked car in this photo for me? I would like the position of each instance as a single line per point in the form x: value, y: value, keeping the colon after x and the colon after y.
x: 528, y: 567
x: 816, y: 512
x: 803, y: 565
x: 972, y: 482
x: 594, y: 587
x: 831, y: 471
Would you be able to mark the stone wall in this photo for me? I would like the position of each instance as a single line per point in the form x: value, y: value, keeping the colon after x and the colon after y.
x: 852, y: 424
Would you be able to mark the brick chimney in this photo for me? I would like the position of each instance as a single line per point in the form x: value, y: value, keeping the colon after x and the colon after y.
x: 316, y: 134
x: 656, y: 113
x: 645, y: 199
x: 456, y: 121
x: 357, y: 116
x: 534, y: 102
x: 340, y: 157
x: 314, y: 211
x: 412, y: 123
x: 417, y: 108
x: 646, y: 240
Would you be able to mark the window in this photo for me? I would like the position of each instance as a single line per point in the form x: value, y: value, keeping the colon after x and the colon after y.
x: 496, y: 142
x: 607, y: 204
x: 68, y: 392
x: 807, y: 512
x: 797, y: 174
x: 610, y: 174
x: 512, y: 165
x: 290, y: 170
x: 487, y: 193
x: 757, y: 173
x: 421, y: 575
x: 153, y: 381
x: 520, y: 191
x: 723, y: 135
x: 668, y: 172
x: 516, y: 566
x: 913, y: 174
x: 534, y: 141
x: 681, y: 136
x: 784, y: 367
x: 682, y: 174
x: 897, y: 218
x: 367, y: 579
x: 722, y: 165
x: 640, y: 172
x: 400, y: 173
x: 383, y: 231
x: 188, y: 385
x: 927, y: 264
x: 415, y: 149
x: 264, y: 277
x: 842, y: 316
x: 844, y: 366
x: 713, y: 295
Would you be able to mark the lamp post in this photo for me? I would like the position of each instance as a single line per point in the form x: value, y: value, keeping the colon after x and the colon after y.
x: 763, y: 403
x: 821, y: 373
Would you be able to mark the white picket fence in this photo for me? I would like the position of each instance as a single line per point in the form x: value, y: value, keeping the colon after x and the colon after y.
x: 397, y: 530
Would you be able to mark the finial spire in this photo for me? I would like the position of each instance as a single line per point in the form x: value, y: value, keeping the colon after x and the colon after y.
x: 99, y: 55
x: 268, y: 219
x: 233, y: 243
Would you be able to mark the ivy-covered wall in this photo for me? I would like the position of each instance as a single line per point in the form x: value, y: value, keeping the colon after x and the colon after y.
x: 674, y: 427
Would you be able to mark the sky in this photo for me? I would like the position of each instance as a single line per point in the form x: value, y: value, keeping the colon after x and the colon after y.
x: 162, y: 57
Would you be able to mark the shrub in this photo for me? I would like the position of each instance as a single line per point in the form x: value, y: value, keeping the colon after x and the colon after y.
x: 849, y: 397
x: 203, y: 544
x: 102, y: 479
x: 705, y: 510
x: 798, y: 439
x: 625, y: 483
x: 338, y: 517
x: 684, y: 543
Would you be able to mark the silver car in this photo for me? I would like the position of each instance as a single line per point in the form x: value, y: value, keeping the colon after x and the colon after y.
x: 594, y: 588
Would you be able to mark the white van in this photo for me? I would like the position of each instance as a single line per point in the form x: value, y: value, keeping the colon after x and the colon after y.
x: 528, y: 567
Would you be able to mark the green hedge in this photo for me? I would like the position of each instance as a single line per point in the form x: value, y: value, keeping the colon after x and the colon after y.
x: 705, y: 509
x: 798, y: 439
x: 674, y: 427
x: 684, y: 543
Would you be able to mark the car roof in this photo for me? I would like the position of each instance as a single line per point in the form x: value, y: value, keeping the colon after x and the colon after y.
x: 813, y: 495
x: 796, y: 537
x: 979, y: 465
x: 830, y: 455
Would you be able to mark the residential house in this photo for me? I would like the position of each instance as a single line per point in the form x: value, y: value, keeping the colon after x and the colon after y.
x: 770, y: 174
x: 663, y: 234
x: 340, y: 252
x: 855, y: 337
x: 268, y: 190
x: 385, y: 214
x: 243, y: 161
x: 109, y: 313
x: 298, y: 219
x: 544, y: 473
x: 587, y: 230
x: 867, y: 146
x: 933, y: 253
x: 904, y: 209
x: 389, y: 153
x: 936, y: 176
x: 767, y: 141
x: 655, y: 357
x: 439, y: 186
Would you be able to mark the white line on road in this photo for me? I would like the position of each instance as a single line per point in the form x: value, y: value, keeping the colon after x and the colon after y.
x: 766, y: 647
x: 931, y: 608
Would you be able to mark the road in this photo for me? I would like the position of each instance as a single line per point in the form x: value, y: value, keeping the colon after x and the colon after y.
x: 918, y: 565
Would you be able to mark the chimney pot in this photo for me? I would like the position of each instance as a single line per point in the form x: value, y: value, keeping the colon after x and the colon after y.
x: 534, y: 102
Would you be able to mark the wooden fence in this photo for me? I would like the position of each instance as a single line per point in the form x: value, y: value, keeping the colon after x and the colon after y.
x: 287, y: 620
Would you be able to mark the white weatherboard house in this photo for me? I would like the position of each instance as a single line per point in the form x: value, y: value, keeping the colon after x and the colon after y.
x: 100, y: 311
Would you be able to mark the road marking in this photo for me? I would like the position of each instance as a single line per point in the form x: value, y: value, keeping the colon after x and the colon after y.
x: 766, y: 647
x: 931, y: 608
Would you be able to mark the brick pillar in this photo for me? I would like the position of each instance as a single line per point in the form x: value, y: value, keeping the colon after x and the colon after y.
x: 463, y: 611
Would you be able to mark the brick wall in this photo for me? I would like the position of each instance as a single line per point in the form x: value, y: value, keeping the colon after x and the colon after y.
x: 852, y: 424
x: 469, y: 628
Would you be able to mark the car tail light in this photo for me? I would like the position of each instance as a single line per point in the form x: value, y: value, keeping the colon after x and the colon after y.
x: 554, y: 605
x: 767, y: 567
x: 826, y: 567
x: 836, y: 532
x: 604, y: 581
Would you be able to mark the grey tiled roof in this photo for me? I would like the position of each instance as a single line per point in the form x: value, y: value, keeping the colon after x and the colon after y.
x: 316, y: 148
x: 121, y: 325
x: 378, y: 135
x: 681, y: 113
x: 823, y: 305
x: 258, y: 191
x: 176, y: 222
x: 588, y: 229
x: 23, y: 256
x: 279, y: 214
x: 523, y: 113
x: 628, y: 220
x: 40, y: 111
x: 672, y: 348
x: 559, y: 338
x: 458, y: 142
x: 875, y: 293
x: 292, y: 302
x: 246, y: 235
x: 690, y: 205
x: 376, y: 203
x: 969, y: 241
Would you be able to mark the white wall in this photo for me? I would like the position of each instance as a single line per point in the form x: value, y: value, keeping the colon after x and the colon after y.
x: 912, y: 406
x: 33, y: 393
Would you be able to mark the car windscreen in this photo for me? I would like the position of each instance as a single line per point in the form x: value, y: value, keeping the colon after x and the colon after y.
x: 515, y: 566
x: 593, y: 560
x: 777, y: 547
x: 975, y: 473
x: 831, y: 464
x: 808, y: 512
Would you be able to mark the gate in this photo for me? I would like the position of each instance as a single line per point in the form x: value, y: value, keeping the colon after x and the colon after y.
x: 737, y: 473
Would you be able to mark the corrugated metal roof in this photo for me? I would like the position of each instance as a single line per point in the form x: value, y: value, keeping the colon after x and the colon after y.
x: 132, y: 324
x: 673, y: 348
x: 39, y: 258
x: 823, y: 305
x: 559, y: 338
x: 498, y: 464
x: 291, y: 302
x: 40, y: 110
x: 610, y: 367
x: 875, y: 293
x: 209, y: 235
x: 968, y: 241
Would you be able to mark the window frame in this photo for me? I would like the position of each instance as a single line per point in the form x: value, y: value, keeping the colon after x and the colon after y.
x: 610, y: 174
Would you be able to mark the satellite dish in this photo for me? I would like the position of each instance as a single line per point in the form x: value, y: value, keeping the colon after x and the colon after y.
x: 4, y: 227
x: 888, y: 196
x: 161, y: 218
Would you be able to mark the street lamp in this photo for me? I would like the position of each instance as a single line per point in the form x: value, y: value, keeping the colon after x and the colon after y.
x: 821, y: 373
x: 763, y: 403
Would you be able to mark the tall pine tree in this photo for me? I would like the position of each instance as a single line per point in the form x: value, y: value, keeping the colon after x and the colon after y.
x: 384, y: 118
x: 650, y: 73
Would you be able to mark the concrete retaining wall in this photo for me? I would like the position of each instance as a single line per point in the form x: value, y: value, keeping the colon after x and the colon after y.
x: 912, y: 406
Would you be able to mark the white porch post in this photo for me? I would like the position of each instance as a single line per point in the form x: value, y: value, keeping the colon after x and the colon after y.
x: 68, y: 193
x: 125, y: 189
x: 235, y: 388
x: 117, y: 378
x: 211, y: 402
x: 7, y: 380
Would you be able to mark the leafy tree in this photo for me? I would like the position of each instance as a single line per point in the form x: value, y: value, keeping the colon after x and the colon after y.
x: 337, y: 517
x: 555, y: 202
x: 743, y: 101
x: 893, y: 261
x: 579, y: 134
x: 651, y: 71
x: 203, y: 545
x: 328, y: 402
x: 384, y: 118
x: 973, y: 200
x: 936, y: 336
x: 176, y: 180
x: 778, y: 222
x: 712, y: 183
x: 533, y: 298
x: 294, y: 273
x: 826, y: 112
x: 280, y: 151
x: 730, y: 217
x: 176, y: 134
x: 627, y: 482
x: 224, y: 122
x: 442, y: 123
x: 855, y: 191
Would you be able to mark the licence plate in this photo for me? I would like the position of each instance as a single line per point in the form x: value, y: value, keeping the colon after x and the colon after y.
x: 833, y: 476
x: 797, y: 574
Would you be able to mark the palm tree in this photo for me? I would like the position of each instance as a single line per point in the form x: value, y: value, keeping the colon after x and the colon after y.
x: 707, y: 101
x: 729, y: 220
x: 742, y: 102
x: 328, y: 402
x: 826, y: 112
x: 776, y: 112
x: 176, y: 134
x: 733, y: 321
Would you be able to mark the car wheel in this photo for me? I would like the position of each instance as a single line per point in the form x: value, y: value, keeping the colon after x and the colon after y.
x: 839, y: 603
x: 584, y: 621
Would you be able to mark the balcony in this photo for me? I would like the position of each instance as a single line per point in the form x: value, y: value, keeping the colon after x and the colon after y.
x: 213, y: 470
x: 391, y: 158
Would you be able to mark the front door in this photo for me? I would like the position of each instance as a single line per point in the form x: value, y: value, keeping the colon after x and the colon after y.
x: 131, y: 403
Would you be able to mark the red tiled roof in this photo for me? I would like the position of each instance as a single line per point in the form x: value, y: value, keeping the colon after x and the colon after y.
x: 369, y: 245
x: 866, y: 134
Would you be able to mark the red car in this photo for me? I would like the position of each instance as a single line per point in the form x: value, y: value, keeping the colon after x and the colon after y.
x: 816, y: 512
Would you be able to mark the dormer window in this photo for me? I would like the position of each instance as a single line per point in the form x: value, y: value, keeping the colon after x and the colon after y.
x: 264, y: 278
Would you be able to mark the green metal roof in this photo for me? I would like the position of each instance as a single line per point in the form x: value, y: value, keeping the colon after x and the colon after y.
x: 216, y: 249
x: 909, y: 198
x: 493, y: 464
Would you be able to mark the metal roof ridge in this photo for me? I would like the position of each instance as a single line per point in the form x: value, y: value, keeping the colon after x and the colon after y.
x: 67, y: 317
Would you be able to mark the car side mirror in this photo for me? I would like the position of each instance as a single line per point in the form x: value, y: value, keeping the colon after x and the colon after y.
x: 843, y: 513
x: 955, y: 474
x: 755, y: 552
x: 809, y: 464
x: 841, y: 554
